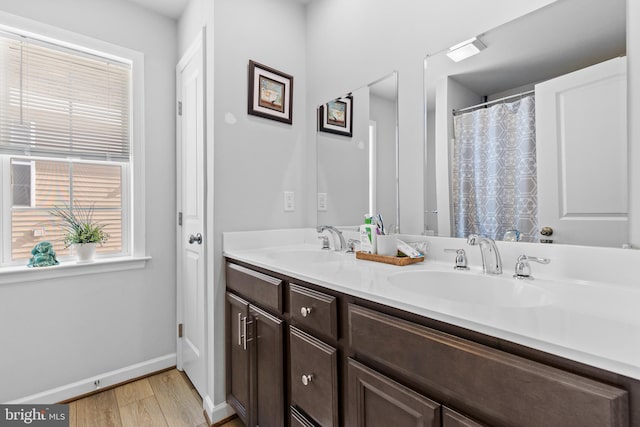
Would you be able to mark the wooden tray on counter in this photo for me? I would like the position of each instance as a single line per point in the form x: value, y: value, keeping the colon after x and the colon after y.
x: 394, y: 260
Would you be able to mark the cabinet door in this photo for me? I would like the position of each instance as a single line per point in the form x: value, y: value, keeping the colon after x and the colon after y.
x: 376, y: 401
x: 451, y: 418
x: 238, y: 357
x: 267, y: 340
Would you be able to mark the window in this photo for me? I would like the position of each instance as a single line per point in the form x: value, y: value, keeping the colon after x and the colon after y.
x: 65, y: 139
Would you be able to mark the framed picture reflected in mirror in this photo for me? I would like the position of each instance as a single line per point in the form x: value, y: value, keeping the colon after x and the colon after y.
x: 336, y: 116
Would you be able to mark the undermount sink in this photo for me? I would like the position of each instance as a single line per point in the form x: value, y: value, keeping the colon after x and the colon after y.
x: 471, y: 288
x: 305, y: 256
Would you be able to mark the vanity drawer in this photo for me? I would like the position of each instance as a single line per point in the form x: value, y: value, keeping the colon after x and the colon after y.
x: 258, y: 288
x: 299, y: 420
x: 488, y: 384
x: 314, y: 377
x: 313, y: 310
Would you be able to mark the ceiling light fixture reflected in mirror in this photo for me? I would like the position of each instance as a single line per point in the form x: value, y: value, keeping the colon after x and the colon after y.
x: 466, y: 49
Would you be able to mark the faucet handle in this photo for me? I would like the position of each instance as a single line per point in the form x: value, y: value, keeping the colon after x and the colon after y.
x: 351, y: 245
x: 523, y: 268
x: 461, y: 259
x: 472, y: 239
x: 325, y: 242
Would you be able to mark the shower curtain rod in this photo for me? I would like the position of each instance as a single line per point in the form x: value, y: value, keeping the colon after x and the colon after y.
x: 495, y: 101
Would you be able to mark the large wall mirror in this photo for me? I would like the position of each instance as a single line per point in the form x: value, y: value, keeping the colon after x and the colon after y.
x: 357, y: 146
x: 526, y: 139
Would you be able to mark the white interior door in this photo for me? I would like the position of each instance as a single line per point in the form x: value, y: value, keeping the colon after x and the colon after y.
x: 581, y: 144
x: 191, y: 234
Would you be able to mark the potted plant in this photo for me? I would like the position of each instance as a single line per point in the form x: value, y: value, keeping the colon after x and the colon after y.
x: 82, y: 232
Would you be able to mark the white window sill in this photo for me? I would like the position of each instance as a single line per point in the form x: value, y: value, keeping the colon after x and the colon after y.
x: 21, y: 274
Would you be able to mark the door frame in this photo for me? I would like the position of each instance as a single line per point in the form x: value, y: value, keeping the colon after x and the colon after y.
x: 197, y: 44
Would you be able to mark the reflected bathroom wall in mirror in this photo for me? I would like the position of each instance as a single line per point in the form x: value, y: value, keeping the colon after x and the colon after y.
x: 357, y: 174
x: 558, y: 76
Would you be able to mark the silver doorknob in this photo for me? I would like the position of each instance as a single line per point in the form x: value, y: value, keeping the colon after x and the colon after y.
x: 305, y: 311
x: 195, y: 239
x: 546, y: 231
x: 306, y: 379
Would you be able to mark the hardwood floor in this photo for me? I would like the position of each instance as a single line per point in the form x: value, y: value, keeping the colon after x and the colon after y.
x: 167, y: 399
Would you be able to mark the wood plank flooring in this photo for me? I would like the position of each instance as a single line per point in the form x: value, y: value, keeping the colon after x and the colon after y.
x: 167, y: 399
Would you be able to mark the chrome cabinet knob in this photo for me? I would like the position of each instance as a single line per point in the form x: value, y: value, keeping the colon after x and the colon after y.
x: 306, y: 379
x: 305, y: 311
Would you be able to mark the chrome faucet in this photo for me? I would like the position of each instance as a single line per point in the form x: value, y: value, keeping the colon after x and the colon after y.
x: 523, y: 268
x: 338, y: 239
x: 491, y: 262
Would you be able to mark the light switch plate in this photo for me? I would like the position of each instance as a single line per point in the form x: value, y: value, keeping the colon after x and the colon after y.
x: 289, y: 201
x: 322, y: 202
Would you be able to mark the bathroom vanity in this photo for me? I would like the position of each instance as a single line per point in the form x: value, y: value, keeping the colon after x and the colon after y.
x: 319, y: 338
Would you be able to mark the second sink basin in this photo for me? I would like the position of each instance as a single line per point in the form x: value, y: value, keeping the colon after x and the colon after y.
x: 471, y: 288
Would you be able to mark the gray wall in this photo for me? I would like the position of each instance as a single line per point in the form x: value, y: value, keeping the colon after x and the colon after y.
x: 56, y: 332
x: 371, y: 38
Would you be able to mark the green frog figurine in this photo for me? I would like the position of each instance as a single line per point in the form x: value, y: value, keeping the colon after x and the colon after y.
x: 43, y: 255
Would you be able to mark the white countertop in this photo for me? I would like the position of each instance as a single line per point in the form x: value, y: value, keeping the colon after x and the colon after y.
x: 594, y: 323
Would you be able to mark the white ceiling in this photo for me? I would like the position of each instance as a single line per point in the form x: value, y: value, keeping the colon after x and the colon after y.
x: 565, y: 36
x: 170, y: 8
x: 174, y: 8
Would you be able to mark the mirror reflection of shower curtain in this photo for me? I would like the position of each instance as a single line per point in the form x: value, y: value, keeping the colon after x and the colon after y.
x: 494, y: 171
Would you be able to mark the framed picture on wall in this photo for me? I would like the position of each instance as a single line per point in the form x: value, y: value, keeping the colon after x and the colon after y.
x: 336, y: 116
x: 270, y: 93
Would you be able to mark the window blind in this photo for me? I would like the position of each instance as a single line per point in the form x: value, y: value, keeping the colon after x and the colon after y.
x: 58, y: 103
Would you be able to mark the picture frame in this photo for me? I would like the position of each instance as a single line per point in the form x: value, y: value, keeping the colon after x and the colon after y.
x: 336, y: 116
x: 270, y: 93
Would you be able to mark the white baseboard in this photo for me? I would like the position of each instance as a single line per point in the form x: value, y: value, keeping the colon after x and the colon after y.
x: 217, y: 413
x: 106, y: 379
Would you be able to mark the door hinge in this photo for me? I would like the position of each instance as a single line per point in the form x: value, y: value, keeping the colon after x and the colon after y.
x: 179, y: 330
x: 179, y: 218
x: 179, y: 108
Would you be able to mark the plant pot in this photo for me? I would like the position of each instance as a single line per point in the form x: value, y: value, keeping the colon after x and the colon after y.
x: 85, y: 251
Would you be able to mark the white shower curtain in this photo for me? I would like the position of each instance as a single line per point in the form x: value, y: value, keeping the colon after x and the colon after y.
x: 494, y: 182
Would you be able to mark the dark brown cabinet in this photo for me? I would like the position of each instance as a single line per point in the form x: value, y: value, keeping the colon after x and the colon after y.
x: 302, y: 355
x: 255, y: 353
x: 238, y: 360
x: 267, y: 342
x: 499, y: 388
x: 377, y: 401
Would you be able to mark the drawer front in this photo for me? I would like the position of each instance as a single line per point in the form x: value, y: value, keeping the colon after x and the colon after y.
x: 314, y: 377
x: 313, y: 310
x: 259, y: 288
x: 493, y: 386
x: 299, y: 420
x: 451, y: 418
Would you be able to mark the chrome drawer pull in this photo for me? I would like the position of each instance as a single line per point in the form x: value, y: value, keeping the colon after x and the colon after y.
x: 240, y: 329
x: 306, y: 379
x: 305, y: 311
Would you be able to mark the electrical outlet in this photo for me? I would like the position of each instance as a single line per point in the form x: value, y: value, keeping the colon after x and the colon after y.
x: 322, y: 202
x: 289, y: 201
